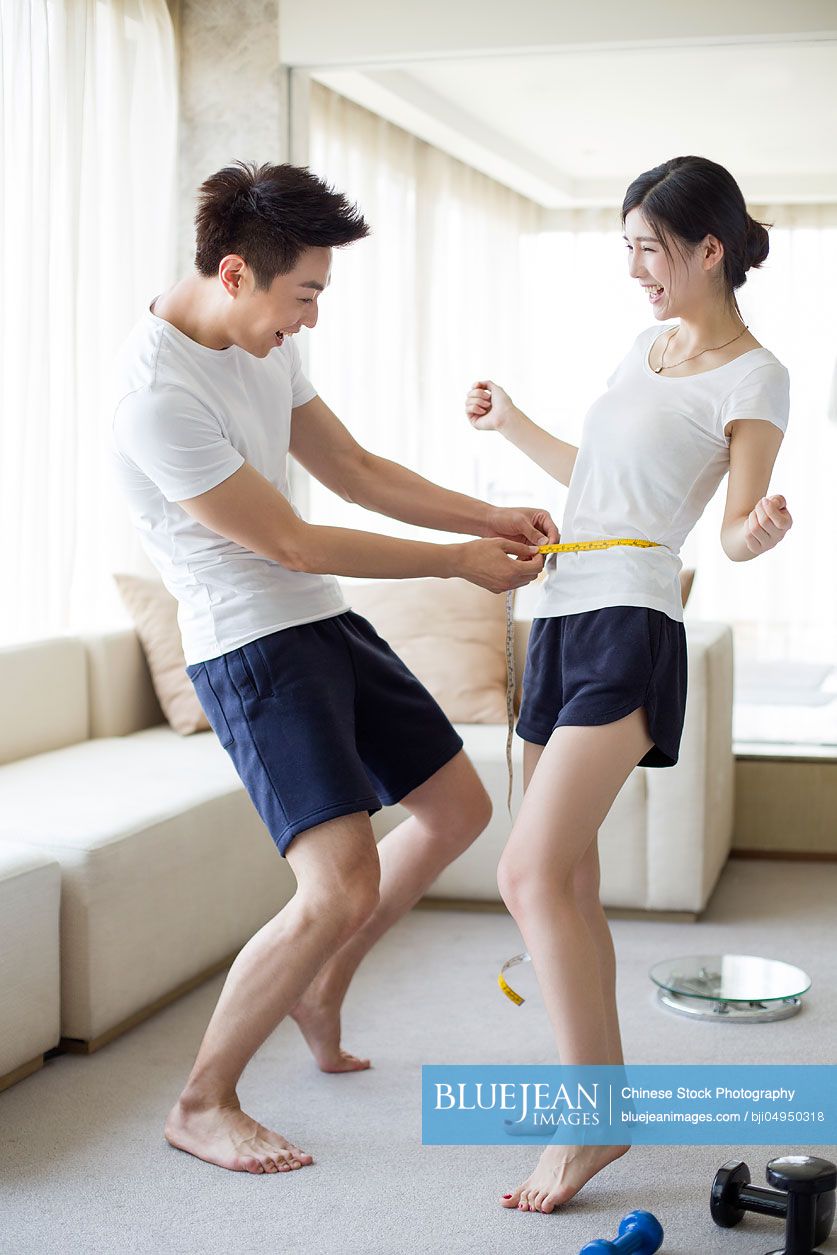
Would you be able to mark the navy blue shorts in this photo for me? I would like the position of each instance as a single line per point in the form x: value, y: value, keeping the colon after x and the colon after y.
x: 597, y: 666
x: 321, y: 720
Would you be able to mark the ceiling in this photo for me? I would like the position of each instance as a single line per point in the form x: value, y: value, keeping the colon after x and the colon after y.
x: 571, y: 127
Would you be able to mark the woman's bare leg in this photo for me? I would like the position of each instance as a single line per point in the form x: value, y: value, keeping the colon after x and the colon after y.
x: 586, y: 882
x: 547, y: 885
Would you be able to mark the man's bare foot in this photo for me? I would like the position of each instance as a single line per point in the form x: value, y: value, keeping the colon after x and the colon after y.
x: 224, y: 1135
x: 319, y: 1020
x: 560, y: 1174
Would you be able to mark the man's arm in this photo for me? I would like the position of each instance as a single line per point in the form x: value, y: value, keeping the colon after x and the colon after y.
x: 749, y: 529
x: 324, y: 446
x: 247, y: 509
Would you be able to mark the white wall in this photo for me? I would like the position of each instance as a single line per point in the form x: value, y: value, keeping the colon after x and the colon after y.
x: 233, y: 96
x: 378, y: 31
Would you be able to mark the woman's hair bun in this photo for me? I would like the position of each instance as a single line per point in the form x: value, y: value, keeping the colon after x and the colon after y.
x: 757, y: 244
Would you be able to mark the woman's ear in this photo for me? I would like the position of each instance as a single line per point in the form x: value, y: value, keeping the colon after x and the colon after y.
x: 712, y: 252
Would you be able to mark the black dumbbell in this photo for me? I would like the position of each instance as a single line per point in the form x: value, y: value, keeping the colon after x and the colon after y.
x: 640, y: 1233
x: 804, y: 1198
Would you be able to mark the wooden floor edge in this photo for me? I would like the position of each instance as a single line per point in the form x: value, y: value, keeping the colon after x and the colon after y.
x: 75, y: 1045
x: 21, y: 1073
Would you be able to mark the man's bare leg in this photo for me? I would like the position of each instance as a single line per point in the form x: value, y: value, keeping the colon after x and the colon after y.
x: 447, y: 812
x: 547, y: 877
x: 337, y: 870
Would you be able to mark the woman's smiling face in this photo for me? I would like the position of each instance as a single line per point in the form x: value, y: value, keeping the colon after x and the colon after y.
x: 673, y: 284
x: 648, y: 263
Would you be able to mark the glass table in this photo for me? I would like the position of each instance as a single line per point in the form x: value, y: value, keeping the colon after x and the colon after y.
x: 738, y: 988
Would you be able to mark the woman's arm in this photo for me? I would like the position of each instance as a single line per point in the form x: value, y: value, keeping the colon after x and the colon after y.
x: 749, y: 529
x: 490, y: 408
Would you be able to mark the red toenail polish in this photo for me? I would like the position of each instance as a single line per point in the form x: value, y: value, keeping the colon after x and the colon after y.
x: 507, y: 1196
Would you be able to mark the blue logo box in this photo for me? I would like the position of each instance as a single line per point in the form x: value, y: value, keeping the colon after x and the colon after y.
x: 641, y: 1104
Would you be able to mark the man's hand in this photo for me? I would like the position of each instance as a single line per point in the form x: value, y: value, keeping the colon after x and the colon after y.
x: 497, y: 565
x: 523, y: 524
x: 767, y: 524
x: 488, y: 406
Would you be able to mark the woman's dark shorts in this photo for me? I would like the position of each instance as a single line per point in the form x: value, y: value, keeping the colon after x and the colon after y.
x: 323, y: 720
x: 597, y: 666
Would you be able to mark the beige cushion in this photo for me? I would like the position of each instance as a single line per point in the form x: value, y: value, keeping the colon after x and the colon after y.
x: 450, y: 633
x: 154, y: 612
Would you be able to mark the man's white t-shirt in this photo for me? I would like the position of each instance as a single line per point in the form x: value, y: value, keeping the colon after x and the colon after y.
x: 652, y: 454
x: 186, y: 418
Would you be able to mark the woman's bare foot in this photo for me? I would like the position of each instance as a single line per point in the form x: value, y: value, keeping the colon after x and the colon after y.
x: 318, y: 1017
x: 560, y: 1174
x: 224, y: 1135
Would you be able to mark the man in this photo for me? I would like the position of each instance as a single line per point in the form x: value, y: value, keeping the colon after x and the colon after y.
x: 323, y: 722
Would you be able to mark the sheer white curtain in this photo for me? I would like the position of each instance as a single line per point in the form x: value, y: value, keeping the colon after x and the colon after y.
x: 88, y: 135
x: 435, y: 297
x: 460, y: 281
x: 784, y: 605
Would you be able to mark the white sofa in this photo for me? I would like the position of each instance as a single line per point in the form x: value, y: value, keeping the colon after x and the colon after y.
x: 669, y: 832
x: 133, y: 865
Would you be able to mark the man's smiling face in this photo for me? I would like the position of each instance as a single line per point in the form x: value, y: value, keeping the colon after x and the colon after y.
x: 261, y: 318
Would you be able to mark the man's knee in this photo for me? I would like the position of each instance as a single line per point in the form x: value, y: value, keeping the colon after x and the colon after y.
x: 477, y: 810
x: 360, y: 900
x: 452, y: 806
x: 338, y: 873
x: 345, y: 904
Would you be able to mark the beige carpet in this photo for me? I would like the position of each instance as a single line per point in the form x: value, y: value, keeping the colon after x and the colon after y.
x: 84, y: 1167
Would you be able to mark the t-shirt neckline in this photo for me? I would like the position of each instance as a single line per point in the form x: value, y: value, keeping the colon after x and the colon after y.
x: 682, y: 378
x: 181, y: 335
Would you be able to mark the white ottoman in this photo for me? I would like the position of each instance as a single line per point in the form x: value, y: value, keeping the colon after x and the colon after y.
x: 30, y: 1006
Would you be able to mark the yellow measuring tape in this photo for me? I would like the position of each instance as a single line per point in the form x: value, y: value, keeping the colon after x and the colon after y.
x: 574, y: 545
x: 568, y: 547
x: 506, y: 988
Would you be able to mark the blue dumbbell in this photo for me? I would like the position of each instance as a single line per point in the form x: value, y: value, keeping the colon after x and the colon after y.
x: 640, y: 1233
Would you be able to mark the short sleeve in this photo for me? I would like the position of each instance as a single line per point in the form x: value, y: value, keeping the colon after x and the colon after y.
x: 763, y: 393
x: 174, y: 441
x: 302, y: 390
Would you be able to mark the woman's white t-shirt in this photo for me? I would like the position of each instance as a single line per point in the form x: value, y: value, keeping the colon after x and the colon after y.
x: 186, y: 418
x: 652, y: 453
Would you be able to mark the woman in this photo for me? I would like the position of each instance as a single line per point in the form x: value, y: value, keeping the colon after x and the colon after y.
x: 605, y: 682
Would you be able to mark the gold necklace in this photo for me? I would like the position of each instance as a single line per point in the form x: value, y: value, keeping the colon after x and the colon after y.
x: 674, y: 365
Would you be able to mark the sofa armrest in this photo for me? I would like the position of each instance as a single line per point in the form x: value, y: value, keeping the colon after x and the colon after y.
x: 690, y: 806
x: 121, y: 695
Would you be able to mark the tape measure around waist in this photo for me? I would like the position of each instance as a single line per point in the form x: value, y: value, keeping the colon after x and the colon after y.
x: 574, y: 546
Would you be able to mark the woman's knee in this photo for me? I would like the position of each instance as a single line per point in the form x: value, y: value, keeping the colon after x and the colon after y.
x: 527, y: 885
x: 586, y: 878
